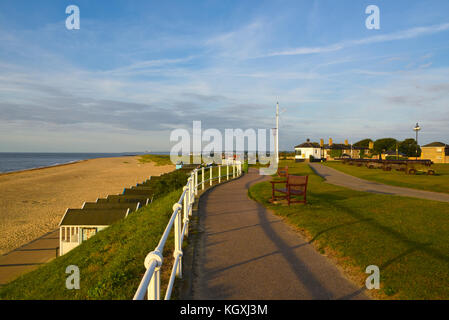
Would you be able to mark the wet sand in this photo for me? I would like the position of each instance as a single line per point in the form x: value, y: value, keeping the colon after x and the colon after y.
x: 33, y: 202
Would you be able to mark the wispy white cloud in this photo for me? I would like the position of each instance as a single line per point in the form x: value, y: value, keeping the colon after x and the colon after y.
x: 143, y: 67
x: 401, y: 35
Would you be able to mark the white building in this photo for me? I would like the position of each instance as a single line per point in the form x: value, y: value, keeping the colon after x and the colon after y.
x: 307, y: 149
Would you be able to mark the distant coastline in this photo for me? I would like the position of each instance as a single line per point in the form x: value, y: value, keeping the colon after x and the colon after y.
x: 16, y: 162
x: 40, y: 168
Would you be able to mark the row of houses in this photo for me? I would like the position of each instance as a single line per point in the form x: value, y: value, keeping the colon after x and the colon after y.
x: 330, y: 151
x: 438, y: 152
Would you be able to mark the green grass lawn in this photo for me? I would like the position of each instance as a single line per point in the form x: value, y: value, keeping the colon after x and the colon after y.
x: 110, y: 263
x: 407, y: 238
x: 159, y: 160
x: 437, y: 183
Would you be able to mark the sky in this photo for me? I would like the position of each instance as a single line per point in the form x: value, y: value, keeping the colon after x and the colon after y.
x: 137, y: 70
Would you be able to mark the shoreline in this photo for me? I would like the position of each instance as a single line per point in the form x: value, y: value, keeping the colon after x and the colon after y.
x: 64, y: 164
x: 45, y: 167
x: 33, y: 201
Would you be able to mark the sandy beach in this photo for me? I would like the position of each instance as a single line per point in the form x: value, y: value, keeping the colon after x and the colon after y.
x: 33, y: 202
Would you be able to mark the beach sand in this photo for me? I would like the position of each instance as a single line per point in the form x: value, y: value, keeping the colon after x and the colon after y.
x: 33, y: 202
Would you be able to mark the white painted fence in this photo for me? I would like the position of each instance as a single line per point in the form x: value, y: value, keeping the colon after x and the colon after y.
x: 182, y: 210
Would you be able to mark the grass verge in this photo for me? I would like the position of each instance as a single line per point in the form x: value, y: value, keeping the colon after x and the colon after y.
x: 159, y: 160
x: 407, y: 238
x: 421, y: 181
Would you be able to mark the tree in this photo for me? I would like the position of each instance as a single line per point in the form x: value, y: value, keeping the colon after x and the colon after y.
x: 385, y: 144
x: 362, y: 153
x: 336, y: 153
x: 408, y: 147
x: 362, y: 143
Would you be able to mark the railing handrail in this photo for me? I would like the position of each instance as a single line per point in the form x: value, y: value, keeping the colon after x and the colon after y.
x: 150, y: 282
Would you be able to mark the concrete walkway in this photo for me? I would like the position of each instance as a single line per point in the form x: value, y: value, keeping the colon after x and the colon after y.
x: 345, y: 180
x: 28, y: 257
x: 247, y: 252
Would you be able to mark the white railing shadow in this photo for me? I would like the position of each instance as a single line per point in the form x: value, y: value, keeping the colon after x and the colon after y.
x: 150, y: 284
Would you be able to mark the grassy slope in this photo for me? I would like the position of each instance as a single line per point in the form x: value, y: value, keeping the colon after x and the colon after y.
x: 437, y: 183
x: 159, y: 160
x: 407, y: 238
x: 111, y: 263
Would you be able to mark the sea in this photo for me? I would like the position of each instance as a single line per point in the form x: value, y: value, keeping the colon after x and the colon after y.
x: 17, y: 161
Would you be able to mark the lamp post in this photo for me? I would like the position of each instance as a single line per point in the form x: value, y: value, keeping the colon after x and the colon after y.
x: 417, y: 128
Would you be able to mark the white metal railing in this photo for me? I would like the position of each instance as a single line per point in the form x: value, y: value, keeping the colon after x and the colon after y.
x: 182, y: 210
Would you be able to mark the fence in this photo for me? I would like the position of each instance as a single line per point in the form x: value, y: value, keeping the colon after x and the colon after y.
x: 182, y: 210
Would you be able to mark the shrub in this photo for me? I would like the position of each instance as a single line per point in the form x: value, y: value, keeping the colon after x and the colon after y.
x: 336, y: 153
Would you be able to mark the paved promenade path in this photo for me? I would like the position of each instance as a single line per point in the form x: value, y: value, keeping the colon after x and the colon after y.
x: 247, y: 252
x: 339, y: 178
x: 28, y: 257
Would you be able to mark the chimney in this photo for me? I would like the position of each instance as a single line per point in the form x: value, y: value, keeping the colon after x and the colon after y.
x: 321, y: 143
x: 330, y: 142
x: 346, y: 142
x: 371, y: 145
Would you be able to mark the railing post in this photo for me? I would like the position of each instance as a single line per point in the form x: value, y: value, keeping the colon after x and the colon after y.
x: 154, y: 288
x: 196, y: 182
x: 202, y: 178
x: 219, y: 174
x: 178, y: 244
x: 227, y: 171
x: 192, y: 188
x: 192, y: 194
x: 185, y: 207
x: 210, y: 180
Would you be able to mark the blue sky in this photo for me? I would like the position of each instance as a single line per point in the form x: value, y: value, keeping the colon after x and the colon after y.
x: 136, y: 70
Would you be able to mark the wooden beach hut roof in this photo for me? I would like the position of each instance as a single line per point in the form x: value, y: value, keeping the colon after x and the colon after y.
x: 86, y: 217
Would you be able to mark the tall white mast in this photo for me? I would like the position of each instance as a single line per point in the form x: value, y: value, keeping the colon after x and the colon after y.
x: 277, y: 133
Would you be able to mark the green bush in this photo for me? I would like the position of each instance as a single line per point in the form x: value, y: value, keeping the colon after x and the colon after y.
x: 245, y: 167
x: 172, y: 181
x: 394, y: 158
x: 336, y: 153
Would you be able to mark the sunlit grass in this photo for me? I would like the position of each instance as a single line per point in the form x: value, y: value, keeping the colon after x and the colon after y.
x: 159, y: 160
x: 422, y: 181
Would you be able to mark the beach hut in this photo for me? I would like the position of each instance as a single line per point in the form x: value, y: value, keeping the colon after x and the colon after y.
x: 78, y: 225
